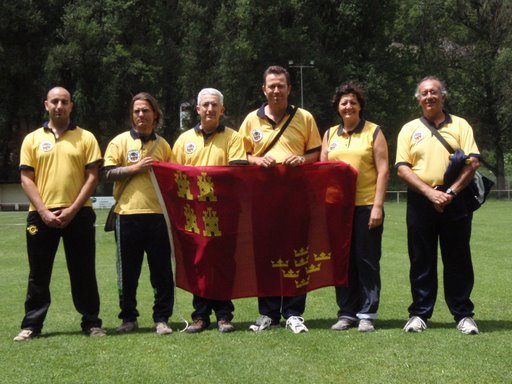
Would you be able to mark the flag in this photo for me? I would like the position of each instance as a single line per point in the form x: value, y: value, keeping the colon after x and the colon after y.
x: 247, y: 231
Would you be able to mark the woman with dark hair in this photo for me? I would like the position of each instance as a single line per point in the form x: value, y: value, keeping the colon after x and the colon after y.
x: 361, y: 144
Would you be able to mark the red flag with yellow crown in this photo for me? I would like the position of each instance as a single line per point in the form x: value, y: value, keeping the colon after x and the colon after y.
x: 247, y: 231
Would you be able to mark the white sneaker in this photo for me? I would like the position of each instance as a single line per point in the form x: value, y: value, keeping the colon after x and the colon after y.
x: 263, y: 322
x: 366, y: 325
x: 162, y: 328
x: 343, y: 324
x: 26, y: 334
x: 96, y: 332
x: 415, y: 324
x: 296, y: 324
x: 468, y: 326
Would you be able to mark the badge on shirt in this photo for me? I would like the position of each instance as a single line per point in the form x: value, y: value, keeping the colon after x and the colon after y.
x: 417, y: 136
x: 256, y: 135
x: 46, y: 146
x: 333, y: 146
x: 133, y: 156
x: 190, y: 148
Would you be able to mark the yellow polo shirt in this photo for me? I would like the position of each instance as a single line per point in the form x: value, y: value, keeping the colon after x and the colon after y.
x: 139, y: 196
x: 356, y: 148
x: 223, y: 146
x: 419, y: 149
x: 300, y: 137
x: 59, y: 164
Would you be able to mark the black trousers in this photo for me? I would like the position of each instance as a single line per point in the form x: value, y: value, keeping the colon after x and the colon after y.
x: 361, y: 298
x: 80, y: 250
x: 277, y: 306
x: 203, y: 308
x: 136, y: 234
x: 452, y: 229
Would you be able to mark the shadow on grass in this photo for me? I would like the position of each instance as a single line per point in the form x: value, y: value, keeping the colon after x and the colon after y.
x: 483, y: 325
x: 486, y: 326
x: 110, y: 332
x: 379, y: 324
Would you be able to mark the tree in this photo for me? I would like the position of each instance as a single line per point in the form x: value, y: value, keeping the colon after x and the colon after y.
x: 26, y: 28
x: 484, y: 53
x: 105, y: 51
x: 468, y: 45
x: 104, y: 58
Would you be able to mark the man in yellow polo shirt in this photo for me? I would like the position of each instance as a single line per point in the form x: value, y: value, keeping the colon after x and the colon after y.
x: 59, y: 166
x: 210, y: 143
x: 298, y: 144
x: 436, y: 212
x: 141, y: 225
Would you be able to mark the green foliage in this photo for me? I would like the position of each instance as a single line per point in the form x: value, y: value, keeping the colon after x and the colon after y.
x: 25, y: 32
x: 388, y: 355
x: 105, y: 51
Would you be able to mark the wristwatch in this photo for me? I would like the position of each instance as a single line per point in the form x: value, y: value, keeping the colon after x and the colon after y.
x: 451, y: 192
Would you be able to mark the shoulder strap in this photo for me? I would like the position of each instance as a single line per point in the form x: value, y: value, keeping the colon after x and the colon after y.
x: 439, y: 137
x: 281, y: 131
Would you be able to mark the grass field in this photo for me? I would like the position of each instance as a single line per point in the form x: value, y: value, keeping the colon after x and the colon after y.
x: 439, y: 355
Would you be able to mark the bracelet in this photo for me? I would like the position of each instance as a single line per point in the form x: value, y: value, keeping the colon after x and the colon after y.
x: 451, y: 192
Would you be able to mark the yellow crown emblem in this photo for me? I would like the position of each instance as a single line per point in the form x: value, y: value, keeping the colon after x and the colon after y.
x: 301, y: 262
x: 302, y: 283
x: 313, y: 268
x: 279, y: 263
x: 301, y: 252
x: 290, y: 273
x: 322, y: 256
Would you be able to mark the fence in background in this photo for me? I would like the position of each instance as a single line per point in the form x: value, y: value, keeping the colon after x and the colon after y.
x: 401, y: 196
x: 105, y: 202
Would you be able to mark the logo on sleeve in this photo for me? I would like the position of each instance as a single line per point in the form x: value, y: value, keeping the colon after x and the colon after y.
x: 46, y: 146
x: 256, y: 135
x: 190, y: 148
x: 133, y: 156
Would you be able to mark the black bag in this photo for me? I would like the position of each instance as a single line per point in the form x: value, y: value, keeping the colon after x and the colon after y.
x: 458, y: 160
x: 110, y: 223
x: 476, y: 192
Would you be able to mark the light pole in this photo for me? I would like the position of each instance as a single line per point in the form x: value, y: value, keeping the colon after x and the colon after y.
x: 184, y: 113
x: 301, y: 67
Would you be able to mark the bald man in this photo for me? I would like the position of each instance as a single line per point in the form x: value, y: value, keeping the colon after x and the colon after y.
x: 59, y: 165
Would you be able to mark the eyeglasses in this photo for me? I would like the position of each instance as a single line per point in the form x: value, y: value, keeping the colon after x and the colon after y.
x: 432, y: 92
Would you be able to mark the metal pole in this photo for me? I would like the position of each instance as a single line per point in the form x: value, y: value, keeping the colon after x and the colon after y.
x: 301, y: 89
x: 301, y: 67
